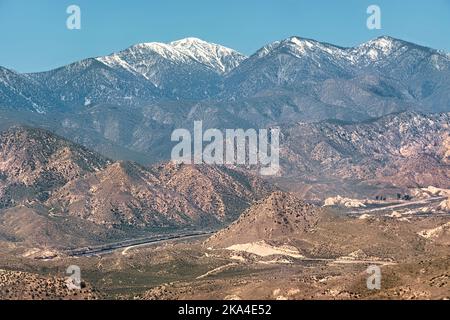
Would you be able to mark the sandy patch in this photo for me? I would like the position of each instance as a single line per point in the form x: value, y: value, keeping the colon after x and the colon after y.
x: 262, y: 249
x: 435, y: 232
x: 445, y: 205
x: 346, y: 202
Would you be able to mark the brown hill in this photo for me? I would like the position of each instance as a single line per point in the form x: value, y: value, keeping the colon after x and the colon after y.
x: 34, y: 162
x: 34, y: 226
x: 277, y: 217
x: 281, y: 224
x: 224, y: 191
x: 125, y: 194
x: 168, y: 195
x: 48, y: 184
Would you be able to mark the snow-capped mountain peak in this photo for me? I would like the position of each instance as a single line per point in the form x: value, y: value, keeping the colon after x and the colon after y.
x: 189, y: 51
x: 186, y: 68
x: 189, y: 41
x: 219, y: 58
x: 162, y: 49
x: 383, y: 44
x: 301, y: 45
x: 194, y: 69
x: 378, y: 49
x: 302, y: 48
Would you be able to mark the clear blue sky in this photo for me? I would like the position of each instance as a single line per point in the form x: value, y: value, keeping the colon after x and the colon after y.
x: 34, y: 37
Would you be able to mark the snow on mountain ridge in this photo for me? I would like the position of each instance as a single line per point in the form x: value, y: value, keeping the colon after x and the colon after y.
x: 378, y: 49
x: 304, y: 47
x: 194, y: 69
x: 218, y: 58
x: 368, y: 53
x: 213, y: 55
x: 115, y: 60
x: 21, y: 90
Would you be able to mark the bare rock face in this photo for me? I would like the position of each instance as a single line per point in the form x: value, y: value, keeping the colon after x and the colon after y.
x: 445, y: 205
x: 278, y: 216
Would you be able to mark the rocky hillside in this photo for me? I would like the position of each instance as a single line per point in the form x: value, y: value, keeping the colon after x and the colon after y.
x: 406, y: 150
x: 280, y: 216
x: 169, y: 195
x: 50, y: 185
x: 34, y: 163
x: 226, y: 192
x: 126, y: 104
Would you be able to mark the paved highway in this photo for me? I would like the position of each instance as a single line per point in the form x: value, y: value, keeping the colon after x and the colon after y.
x: 134, y: 243
x: 401, y: 205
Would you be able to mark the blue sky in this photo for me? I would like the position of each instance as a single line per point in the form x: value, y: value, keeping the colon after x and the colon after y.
x: 34, y: 37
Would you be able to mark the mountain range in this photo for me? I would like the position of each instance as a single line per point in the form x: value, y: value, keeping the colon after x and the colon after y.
x: 382, y: 75
x: 389, y: 73
x: 48, y: 183
x: 345, y: 113
x: 364, y: 131
x: 406, y: 150
x: 125, y: 105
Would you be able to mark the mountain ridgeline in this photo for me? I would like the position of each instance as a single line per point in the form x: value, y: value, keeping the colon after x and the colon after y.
x: 406, y: 150
x: 47, y: 182
x: 375, y: 78
x: 125, y: 105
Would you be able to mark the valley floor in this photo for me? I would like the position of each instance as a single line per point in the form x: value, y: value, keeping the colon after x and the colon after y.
x: 328, y: 263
